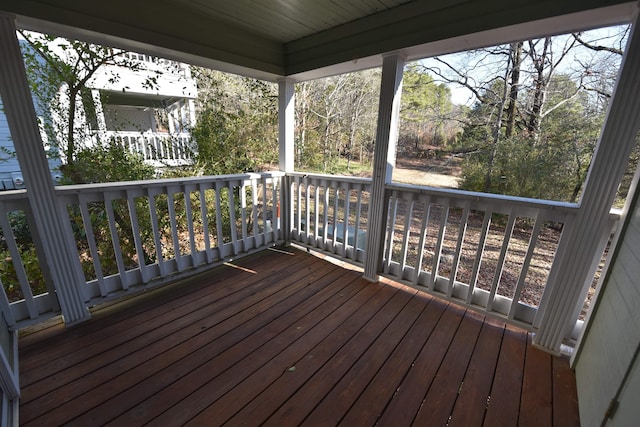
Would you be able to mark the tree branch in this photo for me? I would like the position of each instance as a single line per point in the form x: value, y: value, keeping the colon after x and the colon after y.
x: 597, y: 48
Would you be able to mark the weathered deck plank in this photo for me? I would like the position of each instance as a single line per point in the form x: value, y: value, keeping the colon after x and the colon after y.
x: 503, y: 403
x: 368, y: 407
x: 289, y: 339
x: 537, y: 389
x: 476, y: 385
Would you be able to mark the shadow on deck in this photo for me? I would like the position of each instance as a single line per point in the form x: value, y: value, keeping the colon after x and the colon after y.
x: 284, y: 338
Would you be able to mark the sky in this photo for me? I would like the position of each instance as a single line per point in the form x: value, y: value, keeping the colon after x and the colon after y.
x: 482, y: 70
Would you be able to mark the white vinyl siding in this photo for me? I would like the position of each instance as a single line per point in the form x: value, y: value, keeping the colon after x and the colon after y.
x: 608, y: 349
x: 8, y: 161
x: 627, y: 412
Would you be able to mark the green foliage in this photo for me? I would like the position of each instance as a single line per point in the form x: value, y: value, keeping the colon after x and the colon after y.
x: 550, y: 165
x: 32, y: 269
x: 220, y: 148
x: 336, y: 120
x: 28, y: 257
x: 521, y: 169
x: 627, y: 179
x: 110, y: 163
x: 237, y: 127
x: 342, y: 167
x: 426, y: 106
x: 107, y: 163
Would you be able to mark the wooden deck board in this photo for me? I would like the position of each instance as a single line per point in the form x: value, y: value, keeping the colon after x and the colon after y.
x: 476, y: 385
x: 565, y: 395
x: 170, y: 365
x: 368, y: 407
x: 503, y: 403
x: 407, y: 400
x: 104, y: 344
x: 289, y: 339
x: 537, y: 392
x: 335, y: 404
x: 448, y: 381
x: 293, y: 356
x: 125, y: 368
x: 295, y: 410
x: 177, y: 318
x: 234, y: 364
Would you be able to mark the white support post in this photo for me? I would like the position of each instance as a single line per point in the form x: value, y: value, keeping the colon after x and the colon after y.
x: 171, y: 118
x: 568, y: 277
x: 383, y: 161
x: 286, y: 122
x: 192, y: 113
x: 50, y: 218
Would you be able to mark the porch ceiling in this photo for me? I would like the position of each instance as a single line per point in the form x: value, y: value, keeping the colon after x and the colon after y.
x: 305, y: 38
x: 147, y: 100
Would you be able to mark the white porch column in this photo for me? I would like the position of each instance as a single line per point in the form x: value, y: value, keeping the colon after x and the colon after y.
x: 384, y: 160
x: 286, y: 123
x: 192, y: 113
x: 569, y: 274
x: 50, y: 219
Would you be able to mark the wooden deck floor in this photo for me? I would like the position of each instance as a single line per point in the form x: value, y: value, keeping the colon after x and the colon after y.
x: 285, y: 338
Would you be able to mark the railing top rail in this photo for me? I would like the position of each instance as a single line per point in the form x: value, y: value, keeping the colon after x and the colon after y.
x: 155, y: 60
x: 486, y: 198
x: 615, y: 214
x: 13, y: 195
x: 144, y: 133
x: 563, y: 207
x: 342, y: 178
x: 115, y: 186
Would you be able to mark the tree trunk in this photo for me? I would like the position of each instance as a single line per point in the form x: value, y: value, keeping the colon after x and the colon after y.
x: 516, y: 60
x: 71, y: 145
x: 540, y: 89
x: 496, y: 130
x: 303, y: 126
x: 352, y: 133
x: 327, y: 148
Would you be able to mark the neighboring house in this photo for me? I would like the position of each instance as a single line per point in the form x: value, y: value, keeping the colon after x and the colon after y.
x: 153, y: 120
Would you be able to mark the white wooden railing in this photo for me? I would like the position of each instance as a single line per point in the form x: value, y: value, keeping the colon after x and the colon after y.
x: 137, y: 234
x: 488, y: 252
x: 159, y: 149
x: 157, y: 63
x: 491, y: 253
x: 320, y: 210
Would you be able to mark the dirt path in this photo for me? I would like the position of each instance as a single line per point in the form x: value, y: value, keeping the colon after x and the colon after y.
x: 418, y: 177
x: 443, y: 173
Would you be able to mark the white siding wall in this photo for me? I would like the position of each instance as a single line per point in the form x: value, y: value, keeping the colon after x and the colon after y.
x: 9, y: 163
x: 171, y: 82
x: 628, y: 413
x: 613, y: 335
x: 6, y: 164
